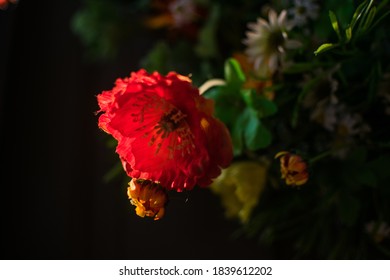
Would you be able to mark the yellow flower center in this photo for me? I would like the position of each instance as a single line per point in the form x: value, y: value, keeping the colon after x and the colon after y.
x: 276, y: 40
x: 169, y: 122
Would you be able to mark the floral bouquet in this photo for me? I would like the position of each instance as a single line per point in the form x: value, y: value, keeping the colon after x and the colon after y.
x: 280, y: 108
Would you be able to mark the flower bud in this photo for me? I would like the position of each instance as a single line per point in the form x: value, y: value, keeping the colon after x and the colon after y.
x: 293, y: 168
x: 148, y: 197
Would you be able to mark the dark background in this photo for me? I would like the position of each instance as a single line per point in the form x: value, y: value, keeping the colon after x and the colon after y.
x: 55, y: 203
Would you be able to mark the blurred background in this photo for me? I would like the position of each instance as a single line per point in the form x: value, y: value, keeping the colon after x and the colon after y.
x: 54, y: 199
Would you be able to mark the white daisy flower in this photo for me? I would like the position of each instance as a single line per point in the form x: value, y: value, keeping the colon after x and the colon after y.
x: 302, y: 11
x: 267, y: 42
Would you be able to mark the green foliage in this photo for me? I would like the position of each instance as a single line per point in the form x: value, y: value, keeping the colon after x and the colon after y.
x: 361, y: 23
x: 234, y: 76
x: 242, y: 110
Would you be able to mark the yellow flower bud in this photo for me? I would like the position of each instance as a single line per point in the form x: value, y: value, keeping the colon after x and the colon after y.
x: 148, y: 197
x: 293, y: 168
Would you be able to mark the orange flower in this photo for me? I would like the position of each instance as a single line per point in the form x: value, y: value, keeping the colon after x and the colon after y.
x: 293, y: 168
x: 148, y: 197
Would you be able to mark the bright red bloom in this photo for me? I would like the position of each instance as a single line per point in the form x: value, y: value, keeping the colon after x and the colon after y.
x: 166, y: 131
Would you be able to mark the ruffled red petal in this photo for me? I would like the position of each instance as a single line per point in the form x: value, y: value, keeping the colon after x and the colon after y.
x: 165, y: 130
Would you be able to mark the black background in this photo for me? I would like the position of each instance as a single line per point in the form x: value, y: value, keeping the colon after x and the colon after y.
x: 55, y: 203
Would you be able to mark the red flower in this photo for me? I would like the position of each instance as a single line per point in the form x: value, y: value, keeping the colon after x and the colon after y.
x: 166, y: 131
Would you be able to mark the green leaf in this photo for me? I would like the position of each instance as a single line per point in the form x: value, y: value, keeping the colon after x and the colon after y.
x: 253, y: 132
x: 358, y: 13
x: 248, y: 132
x: 247, y: 96
x: 229, y: 103
x: 257, y: 136
x: 369, y: 19
x: 325, y: 47
x: 348, y: 34
x: 234, y: 75
x: 262, y: 105
x: 365, y: 14
x: 335, y: 24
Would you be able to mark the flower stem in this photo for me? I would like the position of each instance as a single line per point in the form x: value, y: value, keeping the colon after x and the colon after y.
x: 211, y: 83
x: 320, y: 156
